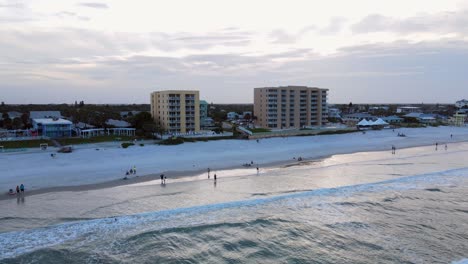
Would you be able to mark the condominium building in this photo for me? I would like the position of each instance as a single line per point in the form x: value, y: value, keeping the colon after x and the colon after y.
x: 176, y: 111
x: 290, y: 106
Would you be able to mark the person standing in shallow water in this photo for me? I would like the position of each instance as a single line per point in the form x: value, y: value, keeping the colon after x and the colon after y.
x: 22, y: 188
x: 17, y: 189
x: 209, y: 173
x: 215, y: 177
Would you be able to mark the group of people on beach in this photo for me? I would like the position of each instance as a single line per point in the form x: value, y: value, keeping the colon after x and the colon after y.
x: 19, y: 190
x: 163, y: 178
x: 214, y: 176
x: 131, y: 171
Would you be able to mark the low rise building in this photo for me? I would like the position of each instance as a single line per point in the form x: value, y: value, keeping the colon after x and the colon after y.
x: 52, y: 127
x: 408, y: 109
x: 462, y: 103
x: 393, y: 119
x: 232, y: 116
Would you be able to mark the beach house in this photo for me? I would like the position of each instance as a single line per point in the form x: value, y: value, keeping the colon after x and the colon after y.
x: 52, y: 127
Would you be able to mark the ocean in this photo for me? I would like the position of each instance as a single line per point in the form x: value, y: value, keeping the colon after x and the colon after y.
x: 413, y: 219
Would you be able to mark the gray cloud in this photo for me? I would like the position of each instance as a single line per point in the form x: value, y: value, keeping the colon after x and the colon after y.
x: 98, y: 67
x: 94, y: 5
x: 445, y: 22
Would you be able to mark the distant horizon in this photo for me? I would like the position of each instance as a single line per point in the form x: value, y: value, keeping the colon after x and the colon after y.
x: 329, y: 103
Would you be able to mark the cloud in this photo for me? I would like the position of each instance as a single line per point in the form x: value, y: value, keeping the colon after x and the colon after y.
x: 94, y: 5
x: 444, y: 22
x: 335, y: 26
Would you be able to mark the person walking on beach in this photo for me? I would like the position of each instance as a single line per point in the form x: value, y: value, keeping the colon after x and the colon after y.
x: 393, y: 149
x: 437, y: 144
x: 17, y: 189
x: 446, y: 147
x: 209, y: 173
x: 215, y: 177
x: 162, y: 178
x: 257, y: 169
x: 22, y: 188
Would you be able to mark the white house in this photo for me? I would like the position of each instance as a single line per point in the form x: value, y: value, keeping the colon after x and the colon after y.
x: 232, y: 115
x: 462, y: 103
x: 52, y: 127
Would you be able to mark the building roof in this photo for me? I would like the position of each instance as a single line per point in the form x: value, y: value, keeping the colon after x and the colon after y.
x: 415, y: 115
x: 44, y: 114
x: 393, y: 117
x: 52, y: 121
x: 82, y: 125
x: 117, y: 123
x: 14, y: 114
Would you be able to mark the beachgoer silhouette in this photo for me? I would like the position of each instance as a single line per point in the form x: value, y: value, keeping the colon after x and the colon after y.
x: 215, y: 177
x: 209, y: 173
x: 437, y: 144
x: 451, y: 135
x: 162, y: 178
x: 446, y: 147
x: 17, y: 189
x: 22, y: 188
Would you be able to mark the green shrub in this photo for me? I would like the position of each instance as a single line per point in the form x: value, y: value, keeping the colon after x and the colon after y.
x: 126, y: 144
x: 172, y: 141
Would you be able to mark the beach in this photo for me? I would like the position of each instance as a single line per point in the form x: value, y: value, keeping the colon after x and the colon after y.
x: 396, y: 207
x: 104, y: 165
x: 348, y: 190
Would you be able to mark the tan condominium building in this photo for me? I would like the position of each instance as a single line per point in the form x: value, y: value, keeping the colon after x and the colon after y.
x: 177, y: 111
x: 290, y: 106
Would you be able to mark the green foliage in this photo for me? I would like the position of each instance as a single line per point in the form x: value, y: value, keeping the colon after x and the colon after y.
x: 98, y: 139
x: 333, y: 132
x: 24, y: 144
x: 259, y: 130
x: 127, y: 144
x: 172, y: 141
x: 179, y: 140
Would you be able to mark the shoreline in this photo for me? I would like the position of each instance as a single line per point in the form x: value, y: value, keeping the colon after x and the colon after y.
x: 192, y: 173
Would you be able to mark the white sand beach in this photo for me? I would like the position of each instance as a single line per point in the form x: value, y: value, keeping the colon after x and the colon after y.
x: 90, y: 164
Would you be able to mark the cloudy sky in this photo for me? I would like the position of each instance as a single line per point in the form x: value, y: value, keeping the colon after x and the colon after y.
x: 364, y: 51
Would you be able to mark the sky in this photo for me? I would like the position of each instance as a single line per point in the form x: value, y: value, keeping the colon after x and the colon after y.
x: 119, y: 51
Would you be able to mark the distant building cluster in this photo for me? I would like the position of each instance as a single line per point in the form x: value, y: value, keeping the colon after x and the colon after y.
x: 181, y: 112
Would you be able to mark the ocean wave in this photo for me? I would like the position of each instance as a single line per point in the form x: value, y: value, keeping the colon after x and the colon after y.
x: 16, y: 243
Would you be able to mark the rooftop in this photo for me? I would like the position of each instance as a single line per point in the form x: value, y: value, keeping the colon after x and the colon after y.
x: 52, y: 121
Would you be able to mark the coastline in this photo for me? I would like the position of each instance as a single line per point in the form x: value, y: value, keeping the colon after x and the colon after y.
x: 176, y: 175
